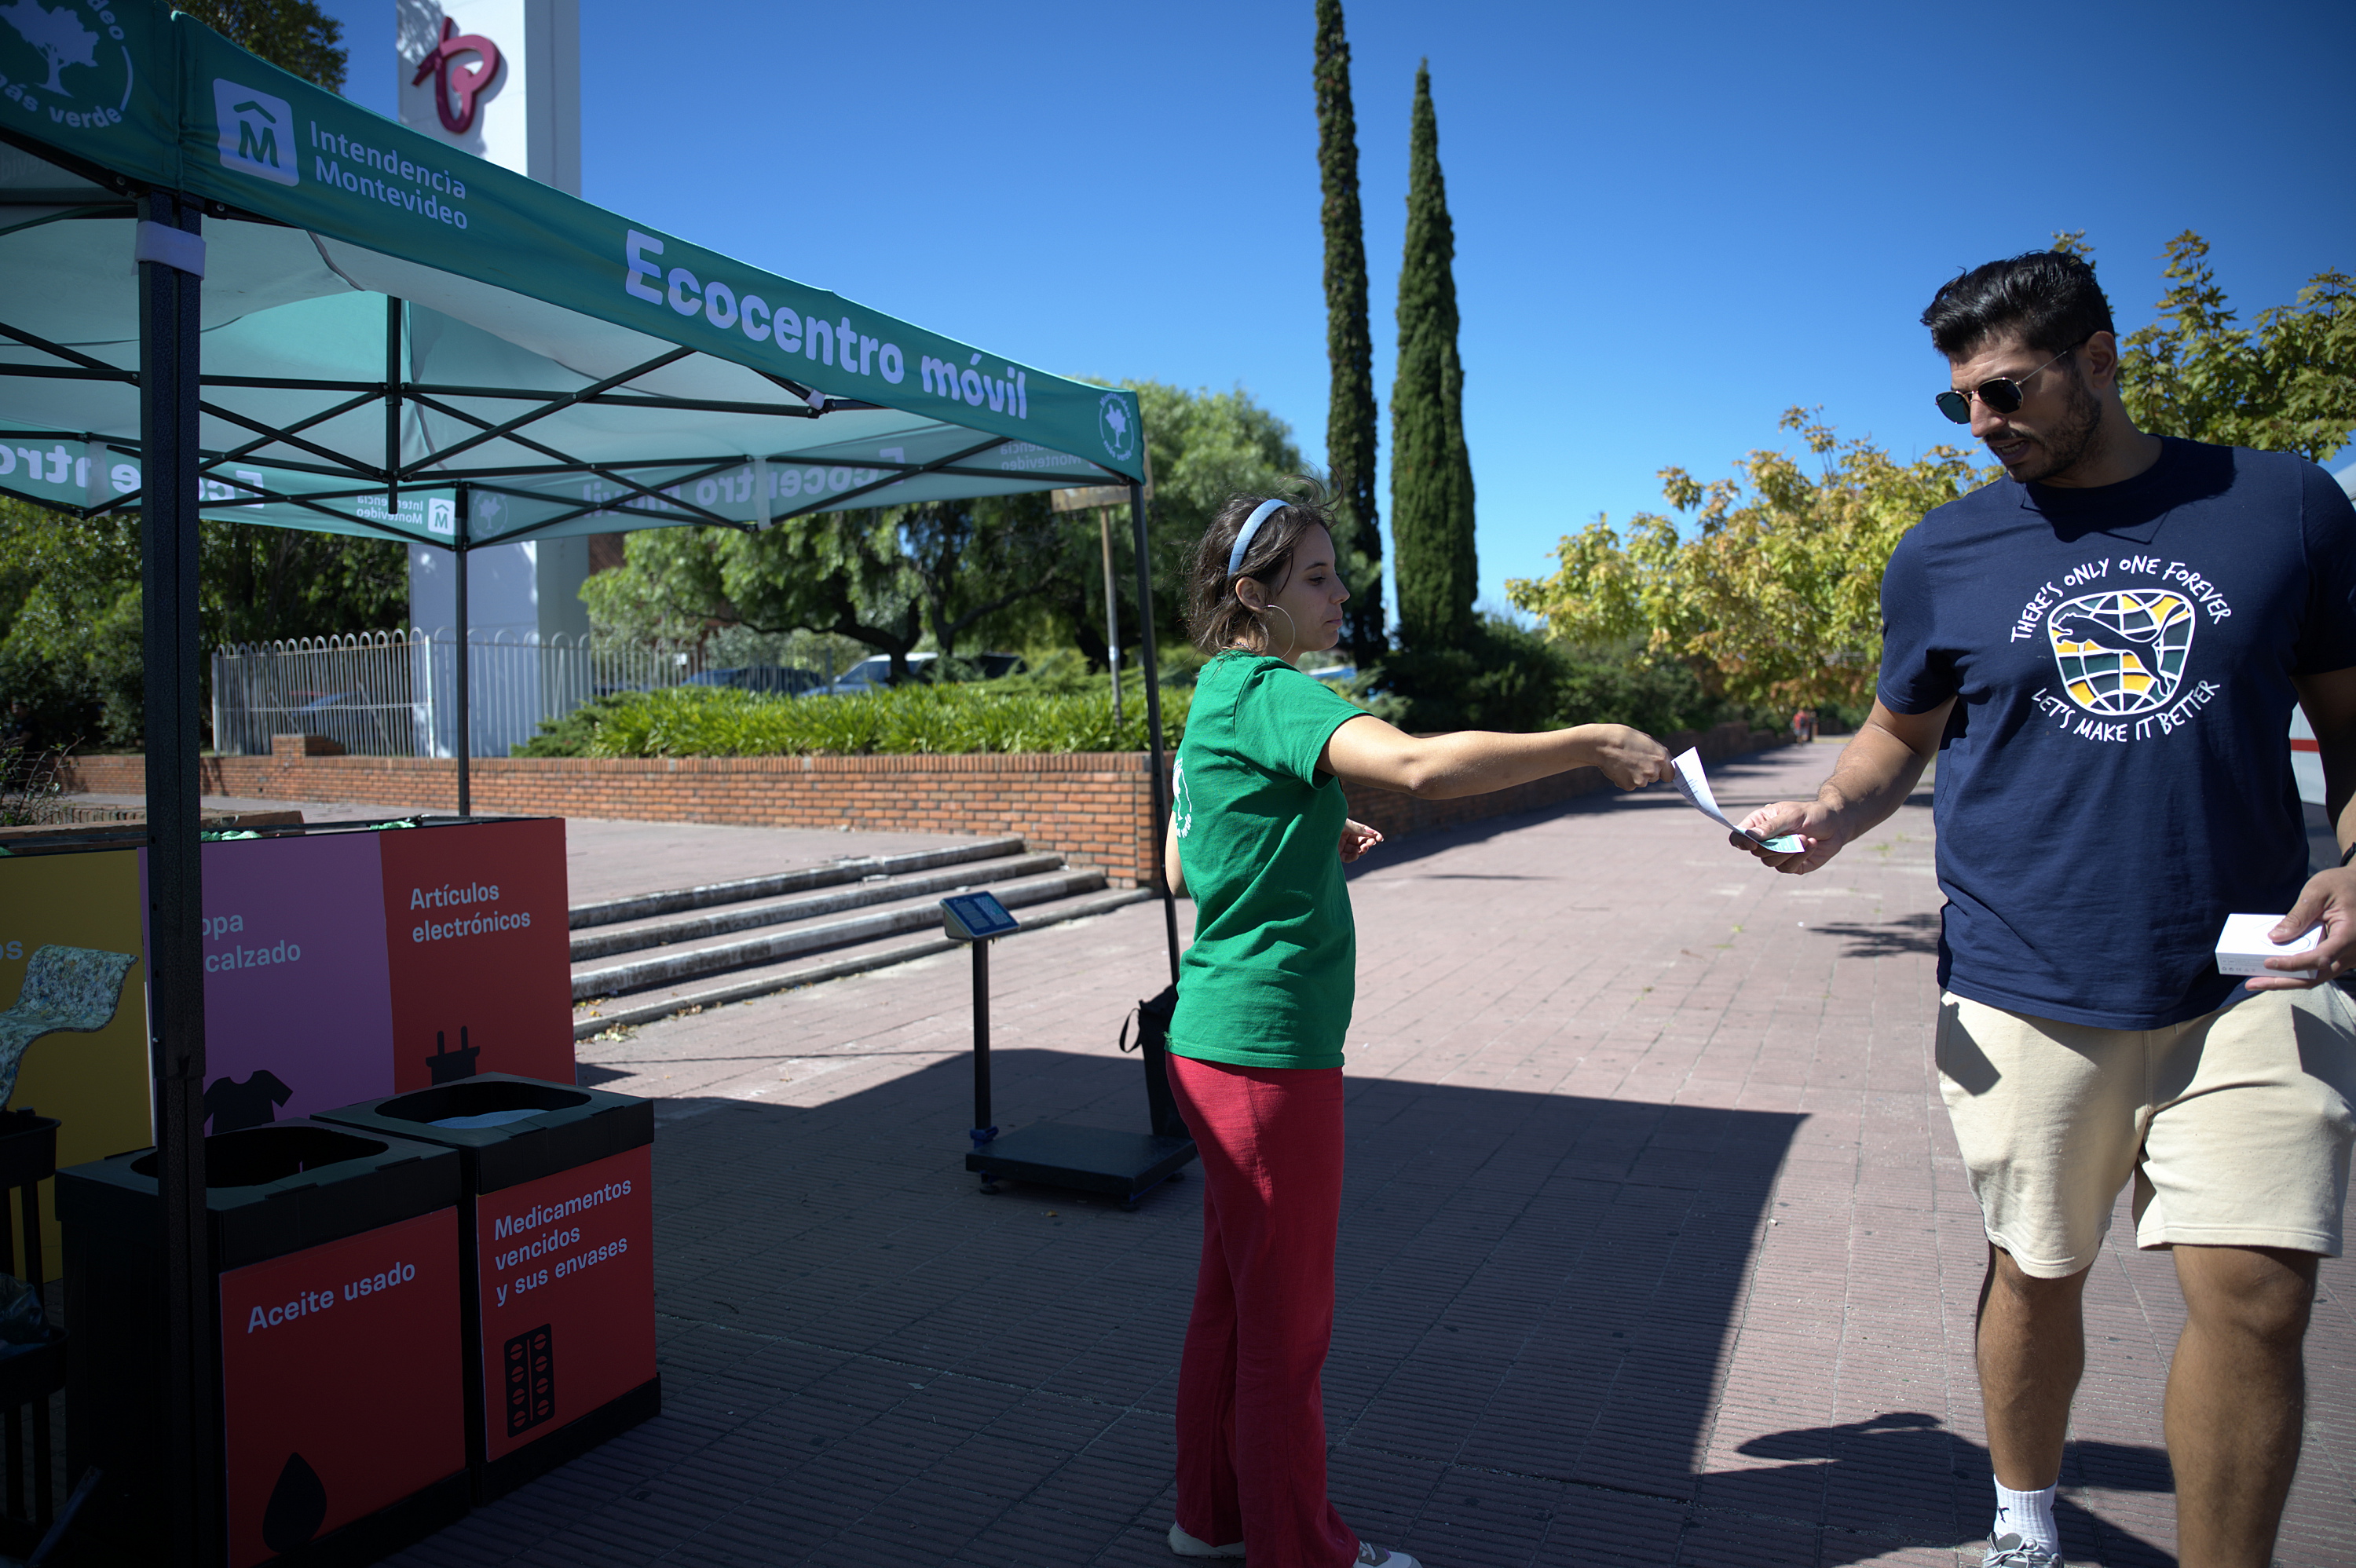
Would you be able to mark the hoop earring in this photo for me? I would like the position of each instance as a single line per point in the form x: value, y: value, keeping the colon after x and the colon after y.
x: 1293, y: 630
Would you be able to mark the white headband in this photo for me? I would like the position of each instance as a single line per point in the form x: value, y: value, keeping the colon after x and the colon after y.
x: 1260, y: 514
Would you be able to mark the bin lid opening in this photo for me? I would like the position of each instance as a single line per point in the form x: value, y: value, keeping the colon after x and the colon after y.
x: 487, y: 1118
x: 466, y: 1103
x: 253, y: 1156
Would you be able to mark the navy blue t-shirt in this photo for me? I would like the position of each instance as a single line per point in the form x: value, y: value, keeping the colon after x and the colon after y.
x: 2116, y: 775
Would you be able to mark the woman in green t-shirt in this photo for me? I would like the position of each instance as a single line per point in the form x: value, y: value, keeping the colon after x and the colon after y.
x: 1259, y: 834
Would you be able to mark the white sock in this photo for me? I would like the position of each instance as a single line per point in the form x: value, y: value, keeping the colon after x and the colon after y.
x: 2028, y: 1515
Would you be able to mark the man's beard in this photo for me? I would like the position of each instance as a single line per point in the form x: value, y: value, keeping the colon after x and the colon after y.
x: 2074, y: 437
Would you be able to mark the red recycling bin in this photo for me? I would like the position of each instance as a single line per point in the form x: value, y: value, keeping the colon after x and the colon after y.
x: 557, y: 1245
x: 341, y: 1360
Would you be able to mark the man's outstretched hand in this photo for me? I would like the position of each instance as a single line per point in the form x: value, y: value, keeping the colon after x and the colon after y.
x: 1356, y: 840
x: 2328, y: 900
x: 1817, y: 824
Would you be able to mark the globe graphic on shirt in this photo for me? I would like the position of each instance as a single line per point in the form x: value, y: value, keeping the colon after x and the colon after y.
x: 2122, y: 653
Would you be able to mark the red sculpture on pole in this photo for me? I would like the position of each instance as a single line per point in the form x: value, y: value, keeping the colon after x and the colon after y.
x: 464, y: 85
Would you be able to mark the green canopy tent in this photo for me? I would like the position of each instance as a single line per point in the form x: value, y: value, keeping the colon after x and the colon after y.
x: 229, y: 293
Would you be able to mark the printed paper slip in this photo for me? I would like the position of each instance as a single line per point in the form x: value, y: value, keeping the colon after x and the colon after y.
x: 1694, y: 785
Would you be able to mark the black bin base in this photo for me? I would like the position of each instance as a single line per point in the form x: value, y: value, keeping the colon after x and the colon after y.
x: 567, y: 1443
x: 1086, y: 1159
x: 387, y: 1531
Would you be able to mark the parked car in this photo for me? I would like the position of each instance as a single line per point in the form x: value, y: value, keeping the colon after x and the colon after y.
x: 874, y: 672
x: 785, y: 681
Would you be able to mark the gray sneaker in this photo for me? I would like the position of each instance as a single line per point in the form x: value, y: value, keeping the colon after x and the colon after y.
x: 1186, y: 1545
x: 1382, y: 1557
x: 2011, y: 1552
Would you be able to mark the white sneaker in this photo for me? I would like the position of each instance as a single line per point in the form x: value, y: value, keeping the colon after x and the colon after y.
x: 2012, y: 1551
x: 1186, y: 1545
x: 1382, y: 1557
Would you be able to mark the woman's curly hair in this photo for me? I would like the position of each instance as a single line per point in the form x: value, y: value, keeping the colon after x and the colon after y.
x: 1215, y: 618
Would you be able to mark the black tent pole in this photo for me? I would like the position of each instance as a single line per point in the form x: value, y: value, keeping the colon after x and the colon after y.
x: 465, y: 671
x: 1153, y: 672
x: 169, y: 306
x: 392, y: 410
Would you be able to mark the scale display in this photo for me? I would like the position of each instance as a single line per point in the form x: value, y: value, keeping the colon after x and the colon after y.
x: 976, y: 917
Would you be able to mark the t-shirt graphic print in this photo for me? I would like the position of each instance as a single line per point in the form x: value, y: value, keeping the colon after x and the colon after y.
x: 2122, y: 654
x: 2115, y: 776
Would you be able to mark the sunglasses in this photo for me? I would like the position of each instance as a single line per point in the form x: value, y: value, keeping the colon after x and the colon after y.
x: 2001, y: 396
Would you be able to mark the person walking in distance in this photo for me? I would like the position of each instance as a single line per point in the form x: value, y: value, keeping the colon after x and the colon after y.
x: 2102, y: 648
x: 1259, y: 834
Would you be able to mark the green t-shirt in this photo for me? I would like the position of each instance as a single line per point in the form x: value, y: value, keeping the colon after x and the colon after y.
x: 1273, y: 970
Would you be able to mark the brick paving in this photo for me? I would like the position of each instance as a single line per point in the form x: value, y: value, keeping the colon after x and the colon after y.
x: 1655, y: 1249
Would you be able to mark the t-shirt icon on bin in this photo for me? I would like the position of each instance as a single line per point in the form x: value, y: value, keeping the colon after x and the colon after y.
x: 556, y: 1243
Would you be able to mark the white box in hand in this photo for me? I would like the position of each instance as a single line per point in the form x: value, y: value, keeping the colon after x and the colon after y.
x: 2243, y: 947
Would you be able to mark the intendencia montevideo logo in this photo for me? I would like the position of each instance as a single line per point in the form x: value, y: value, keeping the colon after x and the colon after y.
x: 69, y: 62
x: 257, y: 132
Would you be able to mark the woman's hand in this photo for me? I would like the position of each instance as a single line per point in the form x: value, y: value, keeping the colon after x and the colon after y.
x: 1356, y: 840
x: 1629, y: 758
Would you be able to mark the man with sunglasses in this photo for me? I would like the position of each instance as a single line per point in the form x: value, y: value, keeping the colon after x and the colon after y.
x: 2102, y: 650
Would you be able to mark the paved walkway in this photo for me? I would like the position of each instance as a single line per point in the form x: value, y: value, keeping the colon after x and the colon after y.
x: 1655, y: 1249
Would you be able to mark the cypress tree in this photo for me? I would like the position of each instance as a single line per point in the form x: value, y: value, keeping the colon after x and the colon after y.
x: 1432, y: 474
x: 1349, y: 344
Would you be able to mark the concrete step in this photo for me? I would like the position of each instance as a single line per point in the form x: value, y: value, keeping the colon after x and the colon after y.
x: 852, y: 868
x: 689, y: 963
x: 877, y: 888
x: 876, y: 953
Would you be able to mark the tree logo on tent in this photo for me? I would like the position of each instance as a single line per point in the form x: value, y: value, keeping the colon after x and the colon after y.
x: 1116, y: 427
x: 81, y: 39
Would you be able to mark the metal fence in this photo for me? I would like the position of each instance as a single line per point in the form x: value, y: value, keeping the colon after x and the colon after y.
x: 395, y: 694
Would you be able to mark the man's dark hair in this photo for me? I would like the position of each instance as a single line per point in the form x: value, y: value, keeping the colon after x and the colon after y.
x: 2049, y: 297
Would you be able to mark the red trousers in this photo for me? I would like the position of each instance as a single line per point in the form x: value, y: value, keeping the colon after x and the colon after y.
x: 1251, y: 1415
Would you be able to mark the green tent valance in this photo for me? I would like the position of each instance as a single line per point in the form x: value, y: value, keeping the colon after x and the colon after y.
x: 386, y: 318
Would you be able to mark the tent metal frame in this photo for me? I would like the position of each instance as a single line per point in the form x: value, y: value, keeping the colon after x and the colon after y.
x: 171, y: 385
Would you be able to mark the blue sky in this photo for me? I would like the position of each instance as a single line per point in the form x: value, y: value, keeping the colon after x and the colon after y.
x: 1671, y: 222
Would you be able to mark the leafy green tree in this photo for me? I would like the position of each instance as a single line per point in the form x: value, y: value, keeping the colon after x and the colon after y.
x: 1774, y: 596
x: 2288, y: 384
x: 1205, y: 446
x: 967, y: 574
x: 1432, y: 472
x: 293, y: 35
x: 1771, y: 592
x: 1349, y: 344
x: 69, y: 589
x: 841, y: 573
x: 69, y: 607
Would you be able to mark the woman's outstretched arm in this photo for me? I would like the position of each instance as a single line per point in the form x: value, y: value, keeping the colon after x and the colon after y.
x: 1365, y: 751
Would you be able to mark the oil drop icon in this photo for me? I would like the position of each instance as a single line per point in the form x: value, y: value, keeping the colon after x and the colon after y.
x: 298, y: 1506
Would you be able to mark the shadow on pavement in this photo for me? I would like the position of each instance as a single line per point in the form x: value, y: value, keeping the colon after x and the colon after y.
x: 1866, y: 1477
x: 1907, y: 934
x: 1419, y: 846
x: 868, y: 1361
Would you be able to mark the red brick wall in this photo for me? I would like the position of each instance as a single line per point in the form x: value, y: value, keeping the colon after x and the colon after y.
x: 1095, y: 807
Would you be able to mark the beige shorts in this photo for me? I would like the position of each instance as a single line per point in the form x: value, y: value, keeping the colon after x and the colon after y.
x: 2235, y: 1126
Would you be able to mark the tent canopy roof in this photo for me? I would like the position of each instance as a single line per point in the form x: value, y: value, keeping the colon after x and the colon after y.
x: 386, y: 316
